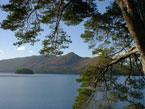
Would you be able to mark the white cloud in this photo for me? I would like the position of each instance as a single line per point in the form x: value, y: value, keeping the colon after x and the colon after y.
x: 2, y: 52
x: 30, y: 51
x: 21, y: 48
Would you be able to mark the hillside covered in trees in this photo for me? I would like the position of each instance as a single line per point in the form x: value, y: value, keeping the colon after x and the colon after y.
x: 70, y: 63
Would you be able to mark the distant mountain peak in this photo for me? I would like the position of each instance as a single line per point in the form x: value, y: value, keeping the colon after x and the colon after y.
x: 69, y: 63
x: 72, y: 53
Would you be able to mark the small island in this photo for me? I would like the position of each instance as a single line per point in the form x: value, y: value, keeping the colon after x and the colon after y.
x: 24, y: 71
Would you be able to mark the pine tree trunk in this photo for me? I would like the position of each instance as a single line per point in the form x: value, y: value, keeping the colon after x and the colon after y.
x: 138, y: 33
x: 136, y: 26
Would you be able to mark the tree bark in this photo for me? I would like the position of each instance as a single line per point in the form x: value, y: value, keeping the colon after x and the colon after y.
x: 123, y: 56
x: 136, y: 24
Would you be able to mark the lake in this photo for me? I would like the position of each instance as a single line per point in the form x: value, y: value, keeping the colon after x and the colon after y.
x: 44, y: 91
x: 37, y: 91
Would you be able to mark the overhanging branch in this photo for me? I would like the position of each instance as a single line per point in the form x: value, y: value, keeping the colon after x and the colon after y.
x: 105, y: 68
x: 123, y: 57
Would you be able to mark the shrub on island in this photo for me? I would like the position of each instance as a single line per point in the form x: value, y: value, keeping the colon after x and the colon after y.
x: 24, y: 71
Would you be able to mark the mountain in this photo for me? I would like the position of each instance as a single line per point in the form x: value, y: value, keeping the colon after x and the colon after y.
x: 70, y: 63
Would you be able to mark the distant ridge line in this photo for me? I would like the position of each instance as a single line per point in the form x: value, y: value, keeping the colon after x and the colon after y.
x: 70, y: 63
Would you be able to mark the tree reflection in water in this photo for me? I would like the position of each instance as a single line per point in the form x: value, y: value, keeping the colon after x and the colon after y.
x: 125, y: 92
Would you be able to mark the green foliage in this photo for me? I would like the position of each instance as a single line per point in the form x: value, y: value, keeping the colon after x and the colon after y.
x: 106, y: 33
x: 107, y: 85
x: 77, y: 11
x: 107, y: 30
x: 84, y: 94
x: 15, y: 18
x: 102, y: 60
x: 86, y: 80
x: 135, y: 106
x: 26, y: 17
x: 56, y: 44
x: 88, y: 76
x: 111, y: 90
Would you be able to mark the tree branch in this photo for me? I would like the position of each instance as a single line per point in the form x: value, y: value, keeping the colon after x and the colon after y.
x: 121, y: 49
x: 105, y: 68
x: 132, y: 48
x: 123, y: 57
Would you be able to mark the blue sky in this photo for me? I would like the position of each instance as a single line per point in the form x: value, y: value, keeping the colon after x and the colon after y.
x: 8, y: 50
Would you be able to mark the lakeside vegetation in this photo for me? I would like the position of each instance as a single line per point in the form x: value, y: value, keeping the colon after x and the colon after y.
x: 24, y: 71
x: 116, y: 36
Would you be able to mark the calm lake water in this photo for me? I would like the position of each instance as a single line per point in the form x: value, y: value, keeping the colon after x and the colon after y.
x: 38, y: 91
x: 42, y: 91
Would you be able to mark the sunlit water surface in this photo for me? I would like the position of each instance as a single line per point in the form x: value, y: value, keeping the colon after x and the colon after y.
x: 37, y: 91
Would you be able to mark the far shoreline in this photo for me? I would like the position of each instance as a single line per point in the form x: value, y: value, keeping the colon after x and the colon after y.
x: 55, y: 73
x: 41, y: 73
